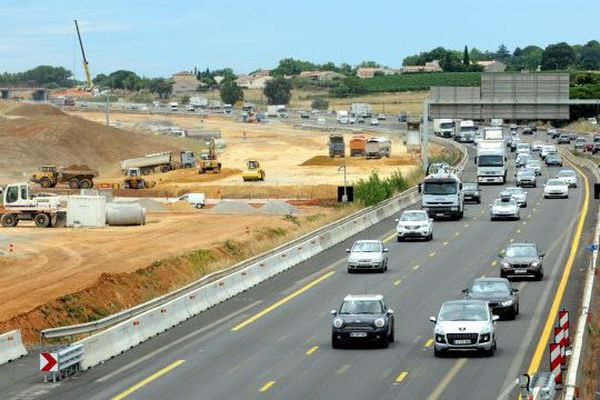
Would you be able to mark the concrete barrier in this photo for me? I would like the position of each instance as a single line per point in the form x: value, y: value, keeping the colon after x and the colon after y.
x: 11, y: 346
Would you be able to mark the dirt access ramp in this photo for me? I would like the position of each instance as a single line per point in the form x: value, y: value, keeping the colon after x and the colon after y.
x: 42, y: 134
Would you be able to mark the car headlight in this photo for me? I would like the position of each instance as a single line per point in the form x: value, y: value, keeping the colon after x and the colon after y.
x: 535, y: 264
x: 338, y: 322
x: 380, y: 322
x: 484, y: 337
x: 440, y: 338
x: 507, y: 303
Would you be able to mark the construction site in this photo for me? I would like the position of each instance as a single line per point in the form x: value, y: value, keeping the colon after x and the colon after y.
x: 93, y: 204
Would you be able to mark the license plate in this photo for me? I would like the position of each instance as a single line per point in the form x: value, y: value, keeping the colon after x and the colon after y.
x: 520, y: 271
x: 358, y: 334
x: 489, y: 180
x: 462, y: 341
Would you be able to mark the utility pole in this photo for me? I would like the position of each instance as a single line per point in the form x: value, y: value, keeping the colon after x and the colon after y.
x: 424, y: 135
x: 107, y: 110
x: 345, y: 195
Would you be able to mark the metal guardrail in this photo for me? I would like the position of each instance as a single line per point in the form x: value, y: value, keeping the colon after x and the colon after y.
x: 113, y: 319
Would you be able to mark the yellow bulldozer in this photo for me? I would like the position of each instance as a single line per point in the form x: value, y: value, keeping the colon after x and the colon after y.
x: 209, y: 161
x: 254, y: 171
x: 135, y: 180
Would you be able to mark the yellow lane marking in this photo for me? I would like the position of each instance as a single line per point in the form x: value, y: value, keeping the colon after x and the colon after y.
x: 266, y: 386
x: 416, y: 267
x: 467, y: 225
x: 149, y: 379
x: 474, y: 218
x: 456, y: 233
x: 401, y: 377
x: 432, y: 254
x: 445, y: 243
x: 494, y: 263
x: 529, y: 216
x: 524, y: 222
x: 282, y: 302
x: 560, y: 291
x: 428, y: 343
x: 511, y: 240
x: 387, y: 239
x: 534, y: 209
x: 518, y: 231
x: 439, y: 390
x: 482, y: 211
x: 397, y: 282
x: 312, y: 350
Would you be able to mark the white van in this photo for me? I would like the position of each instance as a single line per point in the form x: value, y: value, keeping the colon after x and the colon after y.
x: 197, y: 200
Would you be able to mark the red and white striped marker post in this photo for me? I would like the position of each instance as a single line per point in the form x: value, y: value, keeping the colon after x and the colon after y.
x: 563, y: 322
x: 559, y: 338
x: 555, y: 360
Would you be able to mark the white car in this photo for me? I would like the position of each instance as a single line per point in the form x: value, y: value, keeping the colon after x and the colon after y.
x: 374, y: 122
x: 197, y: 200
x: 556, y: 188
x: 352, y: 120
x: 464, y: 325
x: 516, y: 193
x: 414, y: 224
x: 381, y: 117
x: 568, y: 176
x: 537, y: 146
x: 523, y: 148
x: 535, y: 165
x: 522, y: 159
x: 369, y: 255
x: 547, y: 149
x: 506, y: 207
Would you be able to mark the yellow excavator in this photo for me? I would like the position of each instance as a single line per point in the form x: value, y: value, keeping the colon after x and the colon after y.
x: 254, y: 171
x: 209, y: 162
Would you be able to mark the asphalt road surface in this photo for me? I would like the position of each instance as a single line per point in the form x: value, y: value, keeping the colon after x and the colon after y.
x: 274, y: 341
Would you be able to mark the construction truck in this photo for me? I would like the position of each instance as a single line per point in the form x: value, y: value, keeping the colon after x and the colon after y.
x: 358, y: 145
x: 76, y: 176
x: 17, y: 205
x: 163, y: 161
x: 441, y: 192
x: 336, y: 146
x: 209, y: 161
x: 253, y: 172
x: 135, y: 179
x: 378, y: 147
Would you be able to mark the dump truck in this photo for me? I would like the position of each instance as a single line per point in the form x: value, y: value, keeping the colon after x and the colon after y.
x: 336, y: 145
x: 361, y: 110
x: 357, y: 145
x: 163, y: 161
x: 378, y: 147
x: 75, y: 176
x: 17, y: 205
x: 253, y: 172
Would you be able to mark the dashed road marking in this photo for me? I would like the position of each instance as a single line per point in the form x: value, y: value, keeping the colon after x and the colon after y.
x: 428, y: 343
x: 518, y: 231
x: 312, y: 350
x: 416, y: 267
x: 494, y: 263
x: 343, y: 369
x: 266, y: 386
x: 445, y: 243
x: 467, y: 225
x: 433, y: 253
x: 456, y: 233
x: 401, y: 376
x: 399, y: 281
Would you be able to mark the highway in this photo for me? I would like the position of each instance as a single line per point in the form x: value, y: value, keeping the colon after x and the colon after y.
x: 274, y: 341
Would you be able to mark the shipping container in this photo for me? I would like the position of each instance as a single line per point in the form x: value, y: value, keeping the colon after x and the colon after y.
x: 86, y: 211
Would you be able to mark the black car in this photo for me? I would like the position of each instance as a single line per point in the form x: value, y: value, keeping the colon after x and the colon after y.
x: 521, y: 260
x: 362, y: 318
x: 554, y: 160
x: 500, y: 295
x: 564, y: 138
x: 471, y: 192
x: 527, y: 131
x: 304, y: 115
x: 533, y: 128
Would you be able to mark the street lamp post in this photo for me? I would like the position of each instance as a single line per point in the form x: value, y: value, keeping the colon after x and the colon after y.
x: 345, y: 195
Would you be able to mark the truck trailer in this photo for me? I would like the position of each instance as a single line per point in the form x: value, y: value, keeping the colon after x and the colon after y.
x: 358, y: 146
x: 378, y: 147
x: 337, y: 146
x: 491, y: 161
x: 361, y: 110
x: 444, y: 127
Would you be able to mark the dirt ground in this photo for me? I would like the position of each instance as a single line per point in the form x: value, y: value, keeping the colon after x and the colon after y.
x: 282, y: 150
x: 49, y: 263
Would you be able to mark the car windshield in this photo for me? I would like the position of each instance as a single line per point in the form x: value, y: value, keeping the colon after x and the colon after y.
x: 463, y: 312
x: 555, y: 182
x: 504, y: 202
x: 466, y: 129
x: 439, y: 188
x: 533, y: 163
x: 521, y: 251
x: 447, y: 125
x: 490, y: 161
x: 413, y: 216
x: 367, y: 247
x: 470, y: 186
x: 568, y: 174
x: 489, y: 286
x: 361, y: 307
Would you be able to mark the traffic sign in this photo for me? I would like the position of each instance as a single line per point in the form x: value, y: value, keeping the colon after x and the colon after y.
x: 591, y: 247
x: 48, y: 362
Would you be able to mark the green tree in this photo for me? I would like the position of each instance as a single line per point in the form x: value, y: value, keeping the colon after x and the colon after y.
x: 123, y: 79
x: 160, y: 86
x: 349, y: 86
x: 502, y: 54
x: 290, y: 66
x: 320, y: 103
x: 466, y: 59
x: 185, y: 99
x: 589, y: 56
x: 278, y: 91
x: 230, y: 92
x: 558, y: 56
x: 369, y: 64
x: 528, y: 58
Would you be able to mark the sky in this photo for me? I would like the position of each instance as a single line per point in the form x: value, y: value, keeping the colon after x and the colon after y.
x: 159, y: 38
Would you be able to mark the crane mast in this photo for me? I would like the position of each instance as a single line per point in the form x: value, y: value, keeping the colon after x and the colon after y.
x: 86, y: 67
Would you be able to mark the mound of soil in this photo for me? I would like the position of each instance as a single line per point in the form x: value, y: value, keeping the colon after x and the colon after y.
x: 325, y: 161
x: 34, y: 110
x: 52, y: 137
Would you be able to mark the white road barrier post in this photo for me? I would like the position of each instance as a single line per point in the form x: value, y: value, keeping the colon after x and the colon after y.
x: 11, y: 346
x: 555, y: 363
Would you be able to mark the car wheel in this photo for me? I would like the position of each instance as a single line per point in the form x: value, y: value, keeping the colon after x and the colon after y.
x: 478, y: 201
x: 539, y: 275
x: 335, y: 343
x: 392, y: 337
x: 517, y: 309
x: 492, y: 350
x: 438, y: 353
x: 502, y: 274
x: 399, y: 239
x: 525, y: 205
x: 384, y: 342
